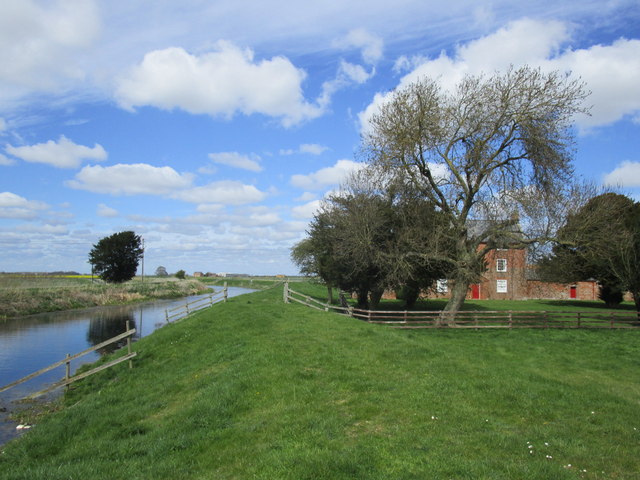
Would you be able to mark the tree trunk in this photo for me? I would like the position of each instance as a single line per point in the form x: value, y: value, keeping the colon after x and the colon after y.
x: 376, y: 295
x: 458, y: 295
x: 636, y: 300
x: 363, y: 298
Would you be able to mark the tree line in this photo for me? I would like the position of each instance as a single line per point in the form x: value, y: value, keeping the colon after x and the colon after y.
x: 455, y: 173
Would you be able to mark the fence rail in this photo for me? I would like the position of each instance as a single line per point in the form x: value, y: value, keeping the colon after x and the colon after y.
x: 476, y: 319
x: 180, y: 312
x: 68, y: 379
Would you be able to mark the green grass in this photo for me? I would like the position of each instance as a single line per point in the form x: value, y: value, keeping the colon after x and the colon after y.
x: 319, y: 292
x: 28, y: 294
x: 257, y: 389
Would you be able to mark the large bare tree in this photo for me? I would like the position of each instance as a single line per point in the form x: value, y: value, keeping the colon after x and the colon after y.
x: 486, y: 153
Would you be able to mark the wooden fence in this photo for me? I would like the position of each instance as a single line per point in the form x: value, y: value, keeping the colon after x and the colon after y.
x: 68, y: 379
x: 180, y: 312
x: 476, y: 318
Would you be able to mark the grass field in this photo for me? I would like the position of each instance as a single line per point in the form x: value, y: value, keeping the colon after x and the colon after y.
x: 257, y: 389
x: 27, y: 294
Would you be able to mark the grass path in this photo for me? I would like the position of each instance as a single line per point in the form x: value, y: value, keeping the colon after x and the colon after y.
x: 257, y: 389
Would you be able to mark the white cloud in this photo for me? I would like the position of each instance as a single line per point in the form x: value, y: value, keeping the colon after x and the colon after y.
x: 39, y: 43
x: 106, y: 211
x: 221, y: 82
x: 370, y: 44
x: 226, y: 192
x: 307, y: 148
x: 46, y: 229
x: 307, y: 210
x: 61, y: 154
x: 17, y: 207
x: 5, y: 160
x: 133, y: 179
x: 237, y: 160
x: 326, y: 176
x: 609, y: 71
x: 3, y: 125
x: 627, y: 174
x: 347, y: 75
x: 307, y: 197
x: 313, y: 148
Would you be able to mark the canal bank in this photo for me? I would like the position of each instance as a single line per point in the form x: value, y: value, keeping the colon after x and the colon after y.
x: 30, y: 343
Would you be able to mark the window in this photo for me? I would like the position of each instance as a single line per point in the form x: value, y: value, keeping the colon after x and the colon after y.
x: 441, y: 286
x: 501, y: 286
x: 501, y: 265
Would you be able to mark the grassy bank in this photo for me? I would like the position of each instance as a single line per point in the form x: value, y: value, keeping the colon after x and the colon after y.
x: 257, y: 389
x: 25, y: 295
x: 257, y: 283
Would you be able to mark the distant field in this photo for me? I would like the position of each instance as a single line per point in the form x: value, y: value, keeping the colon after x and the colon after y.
x: 254, y: 388
x: 27, y: 294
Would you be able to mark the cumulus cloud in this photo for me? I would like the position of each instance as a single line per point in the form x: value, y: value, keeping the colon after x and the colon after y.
x: 609, y: 71
x: 306, y: 211
x: 16, y: 207
x: 223, y: 82
x: 61, y: 154
x: 627, y: 174
x: 326, y: 177
x: 134, y: 179
x: 307, y: 148
x: 39, y: 42
x: 5, y: 160
x: 227, y: 192
x: 371, y: 45
x: 237, y: 160
x: 106, y: 211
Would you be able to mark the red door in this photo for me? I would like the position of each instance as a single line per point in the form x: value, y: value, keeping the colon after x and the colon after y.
x: 475, y: 291
x: 573, y: 292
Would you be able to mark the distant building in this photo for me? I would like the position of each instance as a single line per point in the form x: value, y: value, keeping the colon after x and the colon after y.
x: 198, y: 274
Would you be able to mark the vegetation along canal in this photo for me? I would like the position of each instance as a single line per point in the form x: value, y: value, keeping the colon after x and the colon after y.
x: 30, y: 343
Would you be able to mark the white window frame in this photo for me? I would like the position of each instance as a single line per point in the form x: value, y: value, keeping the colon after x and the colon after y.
x: 501, y: 262
x: 442, y: 286
x: 502, y: 286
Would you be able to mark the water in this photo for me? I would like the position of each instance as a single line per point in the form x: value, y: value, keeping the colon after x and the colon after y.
x: 28, y: 344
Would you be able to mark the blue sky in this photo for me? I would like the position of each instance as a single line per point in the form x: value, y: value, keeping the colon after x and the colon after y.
x: 214, y: 128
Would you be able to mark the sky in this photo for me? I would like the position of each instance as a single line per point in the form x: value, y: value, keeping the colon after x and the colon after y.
x: 214, y: 128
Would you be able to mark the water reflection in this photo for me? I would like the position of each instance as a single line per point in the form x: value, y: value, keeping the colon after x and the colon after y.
x: 104, y: 327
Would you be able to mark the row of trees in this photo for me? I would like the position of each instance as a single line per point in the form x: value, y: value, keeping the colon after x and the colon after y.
x: 458, y: 173
x: 371, y: 236
x: 601, y: 241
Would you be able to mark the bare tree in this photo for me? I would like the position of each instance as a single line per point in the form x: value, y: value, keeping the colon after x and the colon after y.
x: 480, y: 152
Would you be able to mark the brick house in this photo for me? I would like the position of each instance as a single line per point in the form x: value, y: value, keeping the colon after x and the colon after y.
x: 509, y: 277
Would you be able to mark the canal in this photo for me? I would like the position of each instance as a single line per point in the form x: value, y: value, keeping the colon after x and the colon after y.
x: 30, y: 343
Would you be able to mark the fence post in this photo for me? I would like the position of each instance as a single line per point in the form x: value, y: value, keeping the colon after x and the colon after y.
x: 226, y: 291
x: 578, y: 319
x: 166, y: 315
x: 545, y: 319
x: 405, y: 316
x: 129, y: 346
x: 510, y: 319
x: 67, y: 373
x: 611, y: 325
x: 285, y: 294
